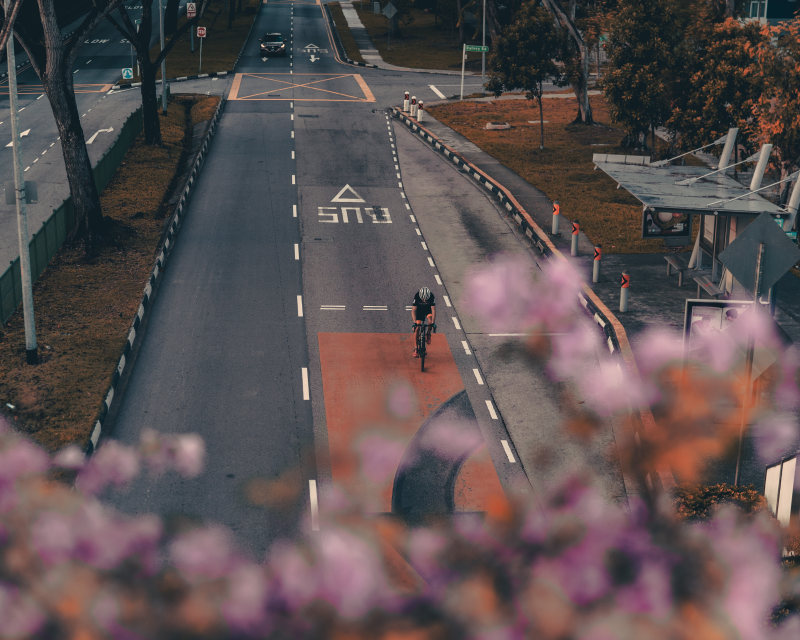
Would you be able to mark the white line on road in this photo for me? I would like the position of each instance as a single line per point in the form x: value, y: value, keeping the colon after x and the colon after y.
x: 35, y: 160
x: 52, y: 144
x: 419, y: 233
x: 26, y: 168
x: 400, y: 184
x: 398, y: 176
x: 291, y: 116
x: 312, y: 492
x: 478, y: 376
x: 430, y: 261
x: 457, y: 323
x: 299, y: 306
x: 436, y: 91
x: 490, y: 407
x: 375, y: 307
x: 306, y: 394
x: 413, y: 219
x: 332, y: 307
x: 292, y: 134
x: 424, y: 246
x: 294, y: 211
x: 293, y: 179
x: 296, y: 251
x: 88, y: 61
x: 408, y: 206
x: 507, y: 335
x: 509, y: 455
x: 292, y: 154
x: 466, y: 347
x: 40, y: 97
x: 397, y: 168
x: 438, y: 279
x: 447, y: 301
x: 76, y: 71
x: 403, y: 194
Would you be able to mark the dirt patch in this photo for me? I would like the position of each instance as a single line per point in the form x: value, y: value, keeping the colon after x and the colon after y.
x: 83, y: 309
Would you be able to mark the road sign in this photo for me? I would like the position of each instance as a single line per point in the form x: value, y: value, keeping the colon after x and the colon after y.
x: 476, y: 47
x: 201, y: 32
x: 780, y: 253
x: 390, y: 11
x: 127, y: 73
x: 191, y: 10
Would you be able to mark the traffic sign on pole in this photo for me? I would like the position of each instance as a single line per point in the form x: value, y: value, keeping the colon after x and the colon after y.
x: 127, y: 73
x: 476, y: 47
x: 201, y: 32
x: 191, y: 10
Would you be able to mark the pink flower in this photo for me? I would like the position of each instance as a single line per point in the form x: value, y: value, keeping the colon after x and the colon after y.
x: 204, y: 554
x: 379, y: 456
x: 607, y: 388
x: 244, y: 607
x: 189, y: 452
x: 53, y: 537
x: 20, y: 457
x: 113, y: 464
x: 776, y: 435
x: 20, y: 616
x: 402, y: 400
x: 71, y: 457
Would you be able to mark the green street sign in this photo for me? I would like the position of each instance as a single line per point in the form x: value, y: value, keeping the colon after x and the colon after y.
x: 476, y: 47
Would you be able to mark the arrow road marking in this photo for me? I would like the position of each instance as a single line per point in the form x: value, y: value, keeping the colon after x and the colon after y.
x: 313, y: 58
x: 21, y: 135
x: 96, y: 133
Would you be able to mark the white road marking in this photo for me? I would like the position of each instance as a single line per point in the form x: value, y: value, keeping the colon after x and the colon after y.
x: 507, y: 449
x: 52, y: 144
x: 397, y: 168
x: 97, y: 133
x: 332, y: 307
x: 456, y: 323
x: 76, y: 71
x: 88, y: 61
x: 447, y: 301
x: 375, y: 307
x: 291, y: 105
x: 466, y: 347
x: 294, y: 211
x: 312, y: 492
x: 306, y: 393
x: 478, y: 376
x: 296, y: 251
x: 408, y: 206
x: 403, y: 194
x: 424, y: 246
x: 430, y: 261
x: 292, y: 154
x: 419, y: 233
x: 26, y: 168
x: 292, y: 134
x: 45, y: 151
x: 413, y: 219
x: 40, y: 97
x: 400, y: 184
x: 490, y: 407
x: 293, y: 179
x: 438, y: 279
x: 398, y: 176
x: 436, y: 91
x: 35, y: 160
x: 21, y: 135
x: 507, y: 335
x: 291, y: 116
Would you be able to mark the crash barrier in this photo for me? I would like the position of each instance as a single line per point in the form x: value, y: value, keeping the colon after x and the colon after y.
x: 167, y: 244
x: 46, y: 242
x: 542, y: 243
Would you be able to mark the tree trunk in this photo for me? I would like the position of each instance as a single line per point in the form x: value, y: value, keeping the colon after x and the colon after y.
x: 82, y: 188
x: 150, y: 108
x: 541, y: 122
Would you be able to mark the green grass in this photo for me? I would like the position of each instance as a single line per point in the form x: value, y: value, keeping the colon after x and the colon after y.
x: 346, y: 37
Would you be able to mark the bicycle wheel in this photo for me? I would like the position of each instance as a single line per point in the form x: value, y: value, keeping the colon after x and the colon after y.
x: 422, y: 346
x: 422, y: 360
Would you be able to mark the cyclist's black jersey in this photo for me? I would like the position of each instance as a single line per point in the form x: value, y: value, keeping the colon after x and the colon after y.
x: 423, y: 308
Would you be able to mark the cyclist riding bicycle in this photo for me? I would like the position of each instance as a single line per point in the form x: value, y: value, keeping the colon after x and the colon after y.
x: 423, y: 307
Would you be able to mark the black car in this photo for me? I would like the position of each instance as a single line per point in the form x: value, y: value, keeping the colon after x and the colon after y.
x: 273, y: 44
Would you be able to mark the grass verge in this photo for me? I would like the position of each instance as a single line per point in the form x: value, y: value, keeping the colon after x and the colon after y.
x: 563, y: 169
x: 422, y: 43
x: 345, y: 35
x: 84, y: 309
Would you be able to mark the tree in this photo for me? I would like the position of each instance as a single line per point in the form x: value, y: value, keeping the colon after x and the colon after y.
x: 141, y: 38
x: 641, y: 43
x: 10, y: 8
x: 52, y: 56
x: 523, y: 56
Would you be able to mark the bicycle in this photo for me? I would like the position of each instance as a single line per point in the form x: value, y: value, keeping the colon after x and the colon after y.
x: 422, y: 340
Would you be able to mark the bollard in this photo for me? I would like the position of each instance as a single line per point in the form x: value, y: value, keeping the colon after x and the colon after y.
x: 598, y: 251
x: 405, y: 102
x: 556, y: 212
x: 576, y: 230
x: 420, y: 109
x: 413, y: 106
x: 623, y: 291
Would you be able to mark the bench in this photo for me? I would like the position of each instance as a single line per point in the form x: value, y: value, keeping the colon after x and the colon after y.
x: 679, y: 263
x: 705, y: 283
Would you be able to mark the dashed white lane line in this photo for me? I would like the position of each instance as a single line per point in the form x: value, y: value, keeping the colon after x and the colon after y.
x: 447, y: 301
x: 467, y: 350
x: 294, y: 211
x: 291, y: 116
x: 314, y: 501
x: 292, y: 154
x: 403, y: 195
x: 375, y: 307
x: 306, y: 393
x: 413, y: 219
x: 507, y: 449
x: 293, y: 179
x: 512, y: 335
x: 431, y: 262
x: 52, y: 144
x: 437, y: 92
x: 88, y: 61
x: 408, y: 206
x: 490, y: 407
x: 296, y: 251
x: 419, y: 233
x: 27, y: 168
x: 457, y: 323
x: 332, y: 307
x: 398, y: 175
x: 292, y: 134
x: 438, y: 279
x: 299, y: 306
x: 400, y: 184
x: 424, y: 246
x: 478, y: 376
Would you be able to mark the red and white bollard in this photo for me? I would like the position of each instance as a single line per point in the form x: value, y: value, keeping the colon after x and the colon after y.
x: 556, y: 213
x: 420, y: 109
x: 598, y: 253
x: 576, y: 229
x: 413, y: 106
x: 625, y: 285
x: 405, y: 102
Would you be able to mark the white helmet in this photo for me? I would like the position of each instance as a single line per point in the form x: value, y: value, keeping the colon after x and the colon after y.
x: 424, y: 294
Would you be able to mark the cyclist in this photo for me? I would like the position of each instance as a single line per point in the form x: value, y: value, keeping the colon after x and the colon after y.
x: 424, y: 306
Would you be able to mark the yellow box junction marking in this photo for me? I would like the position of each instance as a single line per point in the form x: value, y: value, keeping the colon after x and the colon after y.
x: 268, y: 84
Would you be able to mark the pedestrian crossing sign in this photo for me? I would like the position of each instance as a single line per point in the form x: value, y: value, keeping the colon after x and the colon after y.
x: 127, y: 73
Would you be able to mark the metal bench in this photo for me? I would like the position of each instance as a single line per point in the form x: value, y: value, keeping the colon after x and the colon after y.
x: 705, y: 283
x: 679, y: 263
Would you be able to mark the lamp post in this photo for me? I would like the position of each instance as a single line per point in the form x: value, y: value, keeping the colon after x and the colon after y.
x: 483, y: 43
x: 163, y: 60
x: 22, y: 215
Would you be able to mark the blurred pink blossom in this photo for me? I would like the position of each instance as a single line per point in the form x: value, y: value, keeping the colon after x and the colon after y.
x: 379, y: 456
x: 244, y: 607
x: 20, y: 616
x: 189, y: 454
x: 775, y: 435
x: 20, y: 457
x: 451, y: 439
x: 205, y: 553
x: 787, y: 392
x: 71, y: 457
x: 183, y: 452
x: 112, y: 465
x: 574, y: 348
x: 402, y: 400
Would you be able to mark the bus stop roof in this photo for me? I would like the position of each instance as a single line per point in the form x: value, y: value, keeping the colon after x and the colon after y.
x: 683, y: 189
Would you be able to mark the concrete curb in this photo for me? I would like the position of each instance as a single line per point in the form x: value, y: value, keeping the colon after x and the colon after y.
x: 616, y: 337
x: 144, y: 306
x: 213, y: 74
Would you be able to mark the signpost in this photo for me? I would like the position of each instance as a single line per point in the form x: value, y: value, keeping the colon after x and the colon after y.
x: 127, y: 73
x: 390, y: 11
x: 201, y: 33
x: 191, y: 12
x: 481, y: 48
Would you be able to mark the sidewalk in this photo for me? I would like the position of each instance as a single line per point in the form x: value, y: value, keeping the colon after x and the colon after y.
x: 655, y: 300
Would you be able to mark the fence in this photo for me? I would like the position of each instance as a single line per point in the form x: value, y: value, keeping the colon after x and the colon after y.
x: 46, y: 242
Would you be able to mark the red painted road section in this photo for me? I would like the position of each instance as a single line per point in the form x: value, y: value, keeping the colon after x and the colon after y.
x: 376, y: 398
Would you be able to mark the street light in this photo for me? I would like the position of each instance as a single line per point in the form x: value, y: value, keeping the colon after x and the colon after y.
x: 22, y: 215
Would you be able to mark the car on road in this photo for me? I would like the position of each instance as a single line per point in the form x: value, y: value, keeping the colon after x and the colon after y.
x: 273, y: 44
